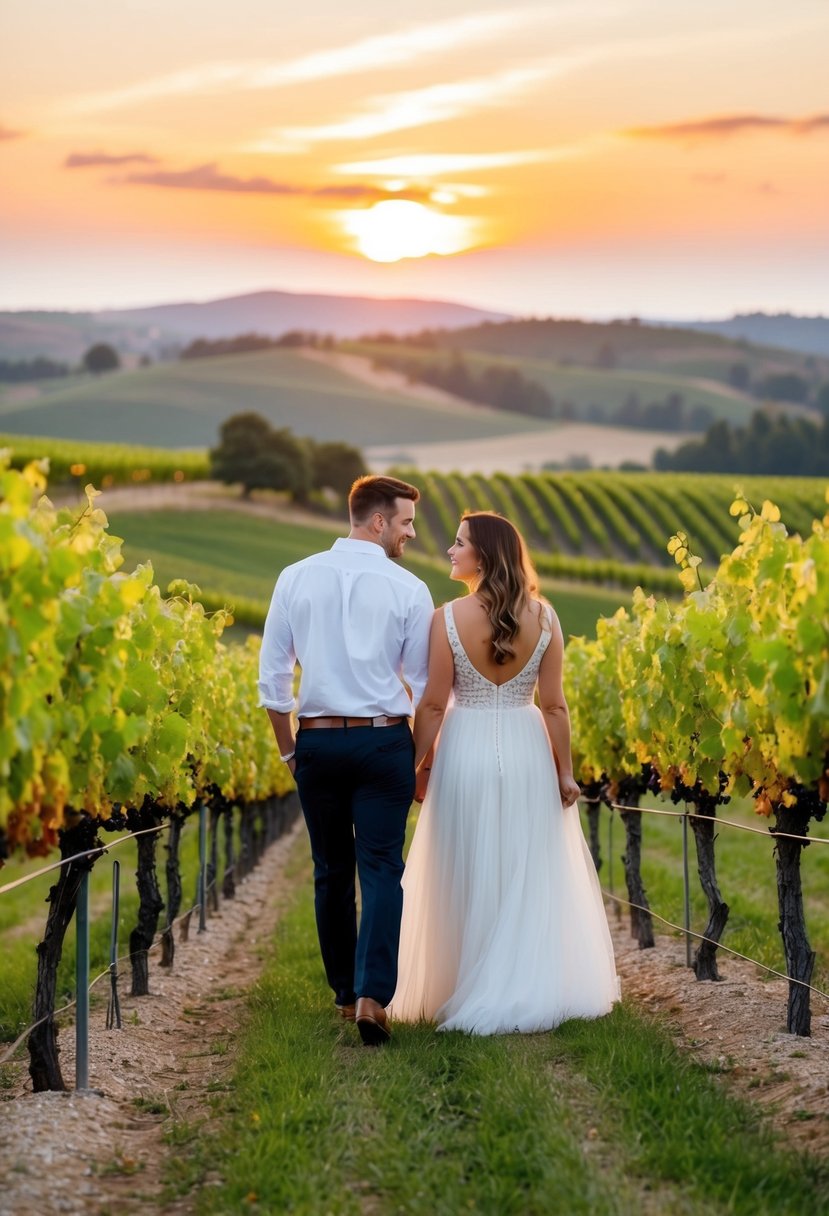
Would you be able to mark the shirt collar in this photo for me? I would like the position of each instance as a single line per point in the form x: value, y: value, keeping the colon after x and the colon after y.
x: 358, y: 546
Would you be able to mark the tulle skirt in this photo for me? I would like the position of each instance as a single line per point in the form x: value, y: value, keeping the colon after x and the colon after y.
x: 504, y: 927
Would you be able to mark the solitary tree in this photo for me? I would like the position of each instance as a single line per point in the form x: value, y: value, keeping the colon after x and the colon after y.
x: 101, y: 358
x: 335, y: 466
x: 250, y: 452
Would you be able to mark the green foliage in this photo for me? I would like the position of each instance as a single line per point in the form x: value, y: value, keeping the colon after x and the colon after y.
x: 257, y: 457
x: 796, y: 447
x: 731, y: 685
x: 111, y: 693
x: 335, y: 466
x: 101, y: 358
x: 105, y: 464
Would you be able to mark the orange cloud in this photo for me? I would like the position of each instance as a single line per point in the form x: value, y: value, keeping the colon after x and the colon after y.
x: 728, y: 125
x: 209, y: 177
x: 91, y: 160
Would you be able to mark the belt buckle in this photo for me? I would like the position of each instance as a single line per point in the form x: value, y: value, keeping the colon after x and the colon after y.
x: 380, y: 720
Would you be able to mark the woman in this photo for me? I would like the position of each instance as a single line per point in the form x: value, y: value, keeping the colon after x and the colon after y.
x: 503, y: 926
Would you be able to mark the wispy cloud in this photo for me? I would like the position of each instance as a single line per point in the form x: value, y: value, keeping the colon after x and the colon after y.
x: 417, y: 108
x: 406, y: 45
x: 209, y: 177
x: 437, y: 164
x: 728, y: 125
x: 91, y: 160
x: 6, y: 133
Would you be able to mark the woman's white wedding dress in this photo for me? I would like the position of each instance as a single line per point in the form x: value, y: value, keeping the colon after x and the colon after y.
x: 504, y: 927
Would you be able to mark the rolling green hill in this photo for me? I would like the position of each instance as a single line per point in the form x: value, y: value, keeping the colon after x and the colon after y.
x: 595, y: 394
x: 630, y: 345
x: 177, y: 405
x: 235, y: 560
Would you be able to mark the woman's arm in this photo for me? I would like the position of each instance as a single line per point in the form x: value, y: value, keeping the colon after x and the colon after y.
x: 432, y: 705
x: 556, y: 714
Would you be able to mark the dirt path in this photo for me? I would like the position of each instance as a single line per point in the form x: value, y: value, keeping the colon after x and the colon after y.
x: 737, y: 1029
x: 104, y: 1151
x: 161, y: 1075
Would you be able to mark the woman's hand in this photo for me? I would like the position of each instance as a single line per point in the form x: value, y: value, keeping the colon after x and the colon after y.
x: 569, y: 789
x: 422, y: 781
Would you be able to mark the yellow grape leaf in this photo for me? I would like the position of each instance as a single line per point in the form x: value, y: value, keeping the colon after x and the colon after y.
x: 693, y: 562
x: 738, y: 507
x: 769, y: 511
x: 35, y: 474
x: 688, y: 578
x: 680, y: 555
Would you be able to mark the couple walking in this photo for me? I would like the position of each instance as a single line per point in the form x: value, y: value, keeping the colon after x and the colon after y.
x: 503, y: 926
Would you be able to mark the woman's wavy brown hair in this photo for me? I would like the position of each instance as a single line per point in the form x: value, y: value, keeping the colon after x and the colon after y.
x: 507, y: 581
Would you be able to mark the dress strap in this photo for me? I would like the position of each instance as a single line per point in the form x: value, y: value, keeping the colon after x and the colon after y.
x: 451, y: 628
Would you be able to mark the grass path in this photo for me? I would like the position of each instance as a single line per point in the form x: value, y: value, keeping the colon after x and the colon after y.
x: 600, y: 1118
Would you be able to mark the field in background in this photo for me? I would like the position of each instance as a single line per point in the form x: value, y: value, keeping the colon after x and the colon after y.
x: 589, y: 388
x: 184, y: 404
x: 235, y: 560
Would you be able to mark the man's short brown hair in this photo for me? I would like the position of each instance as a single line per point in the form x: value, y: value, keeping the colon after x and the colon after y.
x: 370, y: 494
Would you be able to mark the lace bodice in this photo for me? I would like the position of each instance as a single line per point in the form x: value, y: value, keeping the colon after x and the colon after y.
x: 474, y: 691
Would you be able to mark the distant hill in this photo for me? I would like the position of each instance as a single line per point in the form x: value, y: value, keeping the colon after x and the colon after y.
x: 66, y: 335
x: 623, y: 373
x: 807, y: 335
x: 692, y: 349
x: 183, y: 404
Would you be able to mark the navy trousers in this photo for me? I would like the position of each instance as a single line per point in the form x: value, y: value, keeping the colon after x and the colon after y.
x: 356, y: 785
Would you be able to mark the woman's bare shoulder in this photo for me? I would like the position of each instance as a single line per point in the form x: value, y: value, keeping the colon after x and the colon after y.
x: 544, y: 612
x: 465, y: 605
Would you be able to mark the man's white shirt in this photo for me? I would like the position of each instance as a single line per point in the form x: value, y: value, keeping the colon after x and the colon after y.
x: 357, y: 623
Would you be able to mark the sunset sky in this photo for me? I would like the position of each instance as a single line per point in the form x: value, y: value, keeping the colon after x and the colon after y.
x: 663, y: 159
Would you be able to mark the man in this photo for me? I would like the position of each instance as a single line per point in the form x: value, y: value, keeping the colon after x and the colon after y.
x: 359, y: 626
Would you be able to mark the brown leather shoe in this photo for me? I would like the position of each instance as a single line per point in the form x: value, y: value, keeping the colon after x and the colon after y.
x: 372, y: 1022
x: 346, y: 1012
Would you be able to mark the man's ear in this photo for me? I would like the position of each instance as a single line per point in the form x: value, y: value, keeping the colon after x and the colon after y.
x: 378, y: 522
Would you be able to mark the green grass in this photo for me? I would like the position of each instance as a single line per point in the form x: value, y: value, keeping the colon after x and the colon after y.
x: 23, y: 919
x: 183, y: 405
x: 452, y: 1123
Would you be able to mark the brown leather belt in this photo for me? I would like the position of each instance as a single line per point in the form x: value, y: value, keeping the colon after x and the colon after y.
x: 381, y: 720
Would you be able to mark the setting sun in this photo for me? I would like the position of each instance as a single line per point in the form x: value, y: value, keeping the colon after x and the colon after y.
x: 399, y: 228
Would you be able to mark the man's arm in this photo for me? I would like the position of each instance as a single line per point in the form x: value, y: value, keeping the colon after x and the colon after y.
x: 415, y: 657
x: 277, y: 660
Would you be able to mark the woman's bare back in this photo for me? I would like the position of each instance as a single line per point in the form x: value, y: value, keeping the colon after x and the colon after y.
x: 475, y: 633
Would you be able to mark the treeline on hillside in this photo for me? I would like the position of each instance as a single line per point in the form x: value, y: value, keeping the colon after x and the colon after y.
x: 781, y: 445
x: 98, y: 358
x: 496, y: 385
x: 257, y: 456
x: 504, y: 387
x: 244, y: 344
x: 631, y: 344
x: 39, y: 368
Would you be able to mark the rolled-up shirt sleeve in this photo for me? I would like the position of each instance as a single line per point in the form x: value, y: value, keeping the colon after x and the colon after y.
x: 415, y: 658
x: 277, y: 658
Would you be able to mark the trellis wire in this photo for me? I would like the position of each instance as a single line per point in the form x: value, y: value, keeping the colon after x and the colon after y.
x: 98, y: 851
